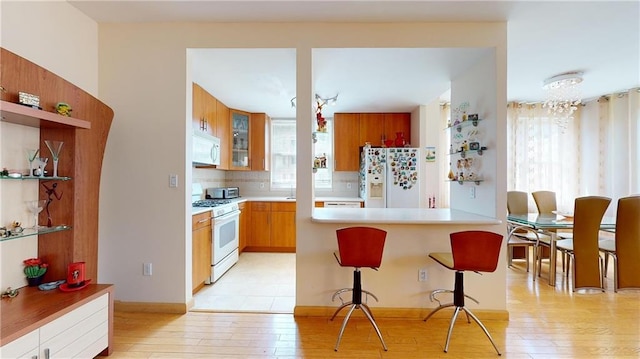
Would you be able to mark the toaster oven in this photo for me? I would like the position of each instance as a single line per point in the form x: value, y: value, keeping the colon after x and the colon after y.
x: 223, y: 192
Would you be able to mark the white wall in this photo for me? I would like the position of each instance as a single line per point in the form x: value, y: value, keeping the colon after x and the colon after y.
x: 61, y: 39
x: 480, y: 87
x: 144, y: 79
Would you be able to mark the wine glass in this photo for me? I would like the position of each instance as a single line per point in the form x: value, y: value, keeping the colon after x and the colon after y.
x: 31, y: 156
x: 54, y: 147
x: 35, y: 207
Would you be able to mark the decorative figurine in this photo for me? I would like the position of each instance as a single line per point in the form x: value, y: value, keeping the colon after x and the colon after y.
x: 63, y: 109
x: 51, y: 192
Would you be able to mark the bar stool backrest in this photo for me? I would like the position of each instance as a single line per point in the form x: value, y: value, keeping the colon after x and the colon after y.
x: 588, y: 212
x: 628, y: 242
x: 476, y: 251
x: 361, y: 246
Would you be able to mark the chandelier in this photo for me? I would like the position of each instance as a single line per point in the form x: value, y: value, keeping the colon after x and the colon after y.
x: 563, y: 97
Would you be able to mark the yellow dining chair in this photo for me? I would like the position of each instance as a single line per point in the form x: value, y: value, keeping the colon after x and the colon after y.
x: 523, y: 236
x: 547, y: 204
x: 625, y: 248
x: 583, y: 249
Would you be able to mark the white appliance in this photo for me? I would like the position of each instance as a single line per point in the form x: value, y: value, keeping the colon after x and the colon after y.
x: 205, y: 149
x: 389, y: 177
x: 225, y: 237
x: 341, y: 204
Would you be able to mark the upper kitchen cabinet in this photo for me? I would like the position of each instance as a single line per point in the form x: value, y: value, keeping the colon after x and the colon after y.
x: 372, y: 129
x: 397, y: 122
x: 240, y: 137
x: 224, y: 133
x: 204, y: 114
x: 346, y: 129
x: 354, y: 130
x: 260, y: 142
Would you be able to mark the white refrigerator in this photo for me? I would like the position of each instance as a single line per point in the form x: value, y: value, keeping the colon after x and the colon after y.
x: 389, y: 177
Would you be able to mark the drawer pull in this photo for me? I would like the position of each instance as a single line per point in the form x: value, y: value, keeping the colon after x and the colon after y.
x: 204, y: 220
x: 46, y: 353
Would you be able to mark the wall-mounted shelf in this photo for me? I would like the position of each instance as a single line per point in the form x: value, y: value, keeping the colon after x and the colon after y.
x: 22, y: 178
x: 32, y: 117
x: 466, y: 123
x: 476, y: 181
x: 28, y: 232
x: 463, y: 154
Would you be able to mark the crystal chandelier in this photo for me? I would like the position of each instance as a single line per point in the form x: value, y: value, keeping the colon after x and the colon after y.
x: 563, y: 97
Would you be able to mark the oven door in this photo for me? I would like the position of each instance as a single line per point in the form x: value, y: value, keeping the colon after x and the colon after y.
x: 225, y: 243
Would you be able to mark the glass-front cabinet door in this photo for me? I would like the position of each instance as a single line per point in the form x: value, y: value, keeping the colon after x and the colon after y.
x: 240, y: 140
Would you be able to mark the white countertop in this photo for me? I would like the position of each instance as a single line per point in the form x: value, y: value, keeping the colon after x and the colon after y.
x: 399, y: 216
x: 199, y: 210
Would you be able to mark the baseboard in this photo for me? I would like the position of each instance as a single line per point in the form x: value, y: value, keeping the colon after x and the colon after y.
x: 398, y: 313
x: 151, y: 307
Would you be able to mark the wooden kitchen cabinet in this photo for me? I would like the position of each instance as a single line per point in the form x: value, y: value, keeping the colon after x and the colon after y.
x: 204, y: 111
x: 273, y: 227
x: 240, y: 140
x: 260, y: 142
x: 200, y: 249
x: 371, y: 129
x: 353, y: 130
x: 346, y: 129
x: 397, y: 122
x: 244, y: 225
x: 224, y: 133
x: 283, y: 226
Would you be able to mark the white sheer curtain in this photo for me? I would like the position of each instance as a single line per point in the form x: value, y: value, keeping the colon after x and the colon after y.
x: 541, y: 156
x: 598, y: 153
x: 611, y: 156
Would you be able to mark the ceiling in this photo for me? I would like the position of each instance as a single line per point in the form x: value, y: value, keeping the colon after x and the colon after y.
x: 601, y: 39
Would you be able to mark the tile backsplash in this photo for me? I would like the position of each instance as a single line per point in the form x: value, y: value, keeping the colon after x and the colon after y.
x: 345, y: 184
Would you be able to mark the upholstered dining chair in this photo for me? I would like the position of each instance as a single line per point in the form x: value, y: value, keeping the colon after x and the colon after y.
x: 625, y: 247
x: 583, y: 249
x: 519, y: 236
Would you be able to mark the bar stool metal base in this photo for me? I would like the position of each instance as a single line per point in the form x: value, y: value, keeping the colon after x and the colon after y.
x: 356, y: 303
x: 458, y: 303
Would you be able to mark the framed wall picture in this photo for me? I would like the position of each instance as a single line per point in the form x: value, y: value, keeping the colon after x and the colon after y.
x: 430, y: 154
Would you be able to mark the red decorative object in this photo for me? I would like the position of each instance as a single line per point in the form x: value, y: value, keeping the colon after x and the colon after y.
x: 388, y: 143
x: 400, y: 141
x: 75, y: 274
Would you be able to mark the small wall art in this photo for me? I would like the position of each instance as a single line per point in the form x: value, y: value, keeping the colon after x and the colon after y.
x: 430, y: 154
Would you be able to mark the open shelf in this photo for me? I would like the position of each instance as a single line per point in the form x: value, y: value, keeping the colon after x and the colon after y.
x: 466, y: 123
x: 32, y: 117
x: 27, y: 232
x: 45, y: 178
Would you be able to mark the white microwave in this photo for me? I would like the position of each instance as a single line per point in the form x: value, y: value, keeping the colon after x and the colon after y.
x: 205, y: 149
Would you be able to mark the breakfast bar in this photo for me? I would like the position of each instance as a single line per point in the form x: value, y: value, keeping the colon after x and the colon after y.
x: 411, y: 235
x: 399, y: 216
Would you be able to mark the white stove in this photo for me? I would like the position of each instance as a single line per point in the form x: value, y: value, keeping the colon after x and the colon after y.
x: 225, y: 231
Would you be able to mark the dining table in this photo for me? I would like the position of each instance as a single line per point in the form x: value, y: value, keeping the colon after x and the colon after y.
x: 549, y: 223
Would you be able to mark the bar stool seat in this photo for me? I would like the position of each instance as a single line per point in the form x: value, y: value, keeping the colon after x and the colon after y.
x: 476, y: 251
x: 358, y: 247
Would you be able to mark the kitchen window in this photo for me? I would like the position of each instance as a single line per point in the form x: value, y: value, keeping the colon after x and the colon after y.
x: 283, y: 155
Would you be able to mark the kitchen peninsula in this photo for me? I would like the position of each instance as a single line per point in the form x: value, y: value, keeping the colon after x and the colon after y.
x: 367, y: 216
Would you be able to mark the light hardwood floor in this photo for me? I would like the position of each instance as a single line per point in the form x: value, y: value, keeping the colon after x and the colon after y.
x: 545, y: 322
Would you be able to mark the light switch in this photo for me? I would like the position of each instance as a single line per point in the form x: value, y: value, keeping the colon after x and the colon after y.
x: 173, y: 181
x: 472, y: 192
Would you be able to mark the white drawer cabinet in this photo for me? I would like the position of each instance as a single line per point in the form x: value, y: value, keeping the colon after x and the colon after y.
x: 26, y: 346
x: 78, y: 331
x: 81, y: 332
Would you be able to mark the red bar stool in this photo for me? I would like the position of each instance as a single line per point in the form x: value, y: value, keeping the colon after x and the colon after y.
x: 359, y: 247
x: 476, y: 251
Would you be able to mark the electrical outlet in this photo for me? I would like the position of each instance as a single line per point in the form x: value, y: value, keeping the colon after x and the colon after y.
x: 147, y: 269
x: 472, y: 192
x: 348, y: 185
x: 422, y: 275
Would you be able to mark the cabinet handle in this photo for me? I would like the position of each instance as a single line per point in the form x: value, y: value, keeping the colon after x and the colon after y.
x: 263, y: 166
x: 46, y: 353
x: 34, y: 357
x: 204, y: 220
